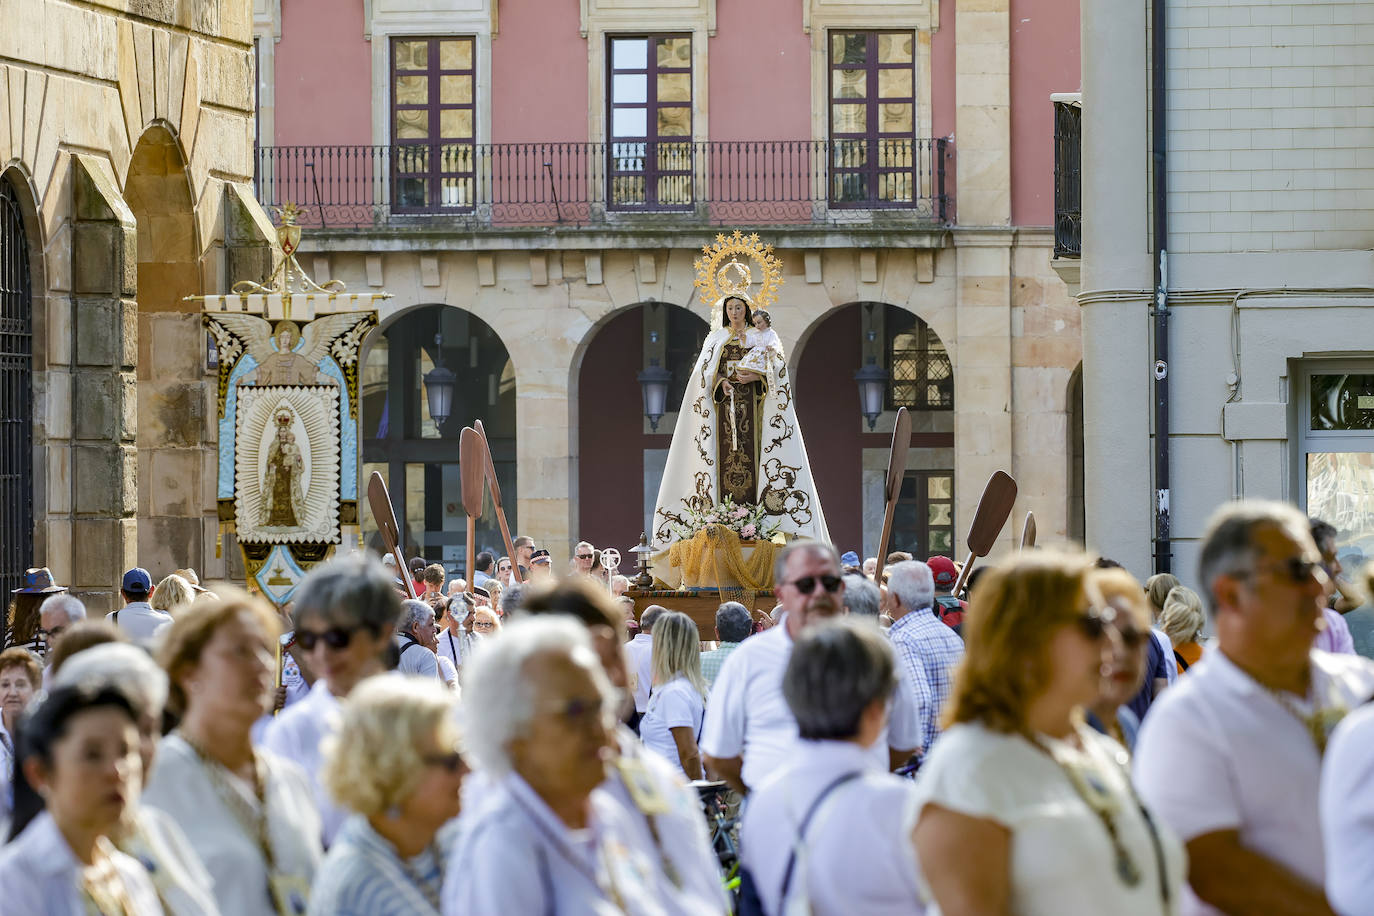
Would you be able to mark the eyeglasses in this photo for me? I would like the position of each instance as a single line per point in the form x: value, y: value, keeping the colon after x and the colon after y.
x: 51, y: 635
x: 453, y: 761
x: 1094, y: 623
x: 1131, y: 637
x: 578, y: 712
x: 334, y: 637
x: 483, y: 625
x: 807, y: 584
x: 584, y: 556
x: 1298, y: 570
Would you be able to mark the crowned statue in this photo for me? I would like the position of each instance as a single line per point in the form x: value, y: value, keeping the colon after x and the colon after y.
x: 737, y: 457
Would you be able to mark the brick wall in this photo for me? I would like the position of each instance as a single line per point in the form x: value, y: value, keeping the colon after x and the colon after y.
x: 1271, y: 125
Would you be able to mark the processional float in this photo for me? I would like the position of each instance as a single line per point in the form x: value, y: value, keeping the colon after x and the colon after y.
x: 287, y: 410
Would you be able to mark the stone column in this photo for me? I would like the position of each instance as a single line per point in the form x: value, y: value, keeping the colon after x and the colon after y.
x: 104, y: 388
x: 982, y: 352
x: 1116, y: 283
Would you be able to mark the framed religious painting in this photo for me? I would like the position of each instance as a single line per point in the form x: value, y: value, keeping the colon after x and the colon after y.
x: 286, y: 466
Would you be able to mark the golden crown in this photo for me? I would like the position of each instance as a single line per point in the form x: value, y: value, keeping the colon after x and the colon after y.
x: 721, y: 272
x: 284, y: 417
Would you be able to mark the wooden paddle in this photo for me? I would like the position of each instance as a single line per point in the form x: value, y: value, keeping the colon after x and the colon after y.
x: 496, y: 499
x: 994, y: 508
x: 896, y: 470
x: 471, y: 470
x: 380, y: 501
x: 1028, y: 532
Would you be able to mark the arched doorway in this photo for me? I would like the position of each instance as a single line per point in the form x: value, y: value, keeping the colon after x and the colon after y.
x: 16, y: 393
x: 174, y: 442
x: 848, y: 461
x: 419, y: 457
x: 620, y: 456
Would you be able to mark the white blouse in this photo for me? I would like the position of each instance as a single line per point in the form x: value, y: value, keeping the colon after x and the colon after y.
x: 1061, y: 856
x: 672, y: 705
x: 40, y: 876
x: 180, y: 785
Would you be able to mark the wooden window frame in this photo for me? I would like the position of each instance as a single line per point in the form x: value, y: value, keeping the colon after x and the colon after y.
x: 620, y: 172
x: 856, y: 157
x: 425, y: 160
x: 922, y: 548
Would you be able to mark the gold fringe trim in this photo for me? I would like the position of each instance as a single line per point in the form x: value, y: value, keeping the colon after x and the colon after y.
x: 715, y: 553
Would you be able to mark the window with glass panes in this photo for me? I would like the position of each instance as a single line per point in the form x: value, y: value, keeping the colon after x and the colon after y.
x: 649, y: 106
x: 433, y: 100
x: 920, y: 376
x: 923, y: 520
x: 873, y: 118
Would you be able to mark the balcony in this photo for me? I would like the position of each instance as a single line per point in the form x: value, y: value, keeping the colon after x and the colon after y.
x: 495, y: 187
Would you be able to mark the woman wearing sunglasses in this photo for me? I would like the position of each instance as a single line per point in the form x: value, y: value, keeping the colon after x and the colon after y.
x: 345, y: 613
x: 1124, y: 671
x: 1018, y: 776
x: 246, y: 813
x: 395, y: 766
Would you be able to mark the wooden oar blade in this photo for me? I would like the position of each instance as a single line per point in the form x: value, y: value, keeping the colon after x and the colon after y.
x: 994, y: 508
x: 896, y: 462
x: 379, y: 501
x: 471, y: 470
x: 489, y: 464
x: 1028, y: 532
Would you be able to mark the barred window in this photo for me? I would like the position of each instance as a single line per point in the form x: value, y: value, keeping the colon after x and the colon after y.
x: 920, y: 376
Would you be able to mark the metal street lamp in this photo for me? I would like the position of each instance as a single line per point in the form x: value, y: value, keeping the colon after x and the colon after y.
x: 654, y: 381
x: 872, y: 381
x: 439, y: 385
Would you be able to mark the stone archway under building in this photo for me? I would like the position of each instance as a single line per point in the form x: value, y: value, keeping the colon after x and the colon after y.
x: 848, y: 460
x: 419, y: 457
x: 175, y: 435
x: 620, y: 456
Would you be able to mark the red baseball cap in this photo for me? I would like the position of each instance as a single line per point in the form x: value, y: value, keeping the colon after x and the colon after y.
x: 943, y: 571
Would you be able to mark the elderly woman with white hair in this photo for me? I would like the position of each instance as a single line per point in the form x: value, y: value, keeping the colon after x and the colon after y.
x: 539, y: 725
x: 395, y: 764
x: 149, y: 835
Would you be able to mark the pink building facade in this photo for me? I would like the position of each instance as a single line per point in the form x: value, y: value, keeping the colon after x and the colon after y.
x: 531, y: 180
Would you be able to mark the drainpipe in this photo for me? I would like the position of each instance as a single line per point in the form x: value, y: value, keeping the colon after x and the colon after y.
x: 1159, y: 143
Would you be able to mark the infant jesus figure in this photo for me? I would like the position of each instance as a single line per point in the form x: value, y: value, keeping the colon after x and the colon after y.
x: 759, y: 341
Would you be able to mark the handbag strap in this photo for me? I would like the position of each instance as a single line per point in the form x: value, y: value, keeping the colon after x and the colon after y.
x: 801, y: 830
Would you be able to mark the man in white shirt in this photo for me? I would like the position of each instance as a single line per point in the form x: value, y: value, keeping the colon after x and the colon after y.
x: 749, y: 731
x: 137, y: 618
x: 483, y: 567
x: 456, y: 642
x: 415, y: 640
x: 640, y: 651
x: 345, y: 613
x: 1230, y: 757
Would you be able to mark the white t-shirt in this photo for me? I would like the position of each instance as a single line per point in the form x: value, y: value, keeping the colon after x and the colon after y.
x: 1061, y: 856
x: 747, y: 716
x: 416, y: 659
x: 1347, y: 814
x: 139, y: 621
x: 1219, y: 752
x: 857, y: 855
x: 297, y: 734
x: 640, y: 651
x: 672, y: 705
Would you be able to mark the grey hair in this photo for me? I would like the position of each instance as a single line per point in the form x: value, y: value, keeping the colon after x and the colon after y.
x: 650, y: 616
x: 802, y: 546
x: 351, y: 589
x: 861, y: 596
x: 67, y: 604
x: 413, y: 613
x: 511, y: 597
x: 912, y: 584
x: 1228, y: 546
x: 123, y: 665
x: 498, y: 694
x: 837, y: 670
x: 734, y: 623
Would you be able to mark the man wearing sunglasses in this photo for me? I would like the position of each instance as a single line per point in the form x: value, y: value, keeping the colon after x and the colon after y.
x: 1230, y: 757
x: 345, y: 612
x: 750, y: 731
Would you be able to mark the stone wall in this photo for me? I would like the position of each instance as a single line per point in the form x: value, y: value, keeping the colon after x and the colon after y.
x: 120, y: 388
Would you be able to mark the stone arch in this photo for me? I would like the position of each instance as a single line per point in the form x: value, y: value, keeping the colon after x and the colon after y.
x: 848, y: 460
x: 417, y: 456
x: 174, y: 438
x: 22, y: 379
x: 617, y: 448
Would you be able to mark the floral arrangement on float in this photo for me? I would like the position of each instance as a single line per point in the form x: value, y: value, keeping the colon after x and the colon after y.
x: 726, y: 545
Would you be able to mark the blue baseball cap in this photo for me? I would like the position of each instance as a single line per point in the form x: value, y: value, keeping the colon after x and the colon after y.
x: 137, y: 581
x: 850, y: 558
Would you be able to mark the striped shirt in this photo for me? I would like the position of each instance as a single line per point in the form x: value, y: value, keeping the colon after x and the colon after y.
x: 928, y: 651
x: 362, y: 875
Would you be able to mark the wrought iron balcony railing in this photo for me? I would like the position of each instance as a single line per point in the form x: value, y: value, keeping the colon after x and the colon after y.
x: 510, y: 185
x: 1068, y: 190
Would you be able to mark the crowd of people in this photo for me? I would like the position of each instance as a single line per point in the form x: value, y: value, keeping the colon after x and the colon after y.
x: 1065, y: 739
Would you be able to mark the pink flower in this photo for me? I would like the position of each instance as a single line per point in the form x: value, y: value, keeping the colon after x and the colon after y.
x: 741, y: 512
x: 749, y: 530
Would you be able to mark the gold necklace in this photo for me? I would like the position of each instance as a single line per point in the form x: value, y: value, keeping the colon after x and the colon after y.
x: 102, y: 884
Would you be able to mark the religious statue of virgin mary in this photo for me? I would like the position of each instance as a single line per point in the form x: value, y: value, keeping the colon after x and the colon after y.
x: 737, y: 434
